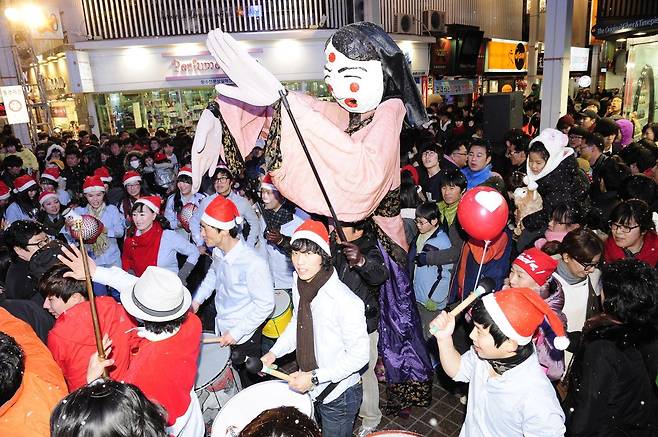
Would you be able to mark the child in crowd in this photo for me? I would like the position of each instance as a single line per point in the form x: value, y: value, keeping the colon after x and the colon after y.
x: 534, y: 269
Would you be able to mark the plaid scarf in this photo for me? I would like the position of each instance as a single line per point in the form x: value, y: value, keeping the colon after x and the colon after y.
x: 278, y: 218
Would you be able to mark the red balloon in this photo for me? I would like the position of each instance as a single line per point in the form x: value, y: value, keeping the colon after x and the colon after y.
x: 483, y: 213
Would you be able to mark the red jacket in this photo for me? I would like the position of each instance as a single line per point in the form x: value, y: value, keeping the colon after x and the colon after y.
x: 72, y: 341
x: 648, y: 253
x: 165, y: 370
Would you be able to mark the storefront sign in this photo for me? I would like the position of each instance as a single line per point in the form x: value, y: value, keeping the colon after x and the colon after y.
x: 441, y: 57
x: 506, y: 56
x: 454, y: 87
x: 604, y: 28
x: 14, y: 101
x: 58, y: 111
x: 579, y: 59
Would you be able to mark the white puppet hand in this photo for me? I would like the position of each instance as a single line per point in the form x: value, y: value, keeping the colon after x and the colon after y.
x: 206, y: 147
x: 254, y: 84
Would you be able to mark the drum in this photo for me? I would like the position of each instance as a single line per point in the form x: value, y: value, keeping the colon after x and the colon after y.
x: 253, y: 400
x: 281, y: 315
x: 393, y: 433
x: 216, y: 381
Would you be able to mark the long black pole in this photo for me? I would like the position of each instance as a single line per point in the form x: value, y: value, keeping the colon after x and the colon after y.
x: 339, y: 228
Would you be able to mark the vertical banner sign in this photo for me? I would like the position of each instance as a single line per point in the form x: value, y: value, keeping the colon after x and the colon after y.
x: 14, y: 101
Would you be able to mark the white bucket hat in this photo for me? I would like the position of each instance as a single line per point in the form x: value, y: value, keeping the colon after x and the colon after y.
x: 158, y: 296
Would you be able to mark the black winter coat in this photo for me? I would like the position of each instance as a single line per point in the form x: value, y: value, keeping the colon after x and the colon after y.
x: 363, y: 281
x: 612, y: 391
x: 565, y: 184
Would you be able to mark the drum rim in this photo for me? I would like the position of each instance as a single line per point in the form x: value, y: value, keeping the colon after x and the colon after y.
x: 306, y: 395
x: 398, y: 431
x: 228, y: 363
x: 289, y: 306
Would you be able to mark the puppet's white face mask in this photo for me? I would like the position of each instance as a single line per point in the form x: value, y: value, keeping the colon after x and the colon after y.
x: 357, y: 86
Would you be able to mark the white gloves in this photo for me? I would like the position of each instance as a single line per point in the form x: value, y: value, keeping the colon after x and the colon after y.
x: 206, y: 147
x: 254, y: 84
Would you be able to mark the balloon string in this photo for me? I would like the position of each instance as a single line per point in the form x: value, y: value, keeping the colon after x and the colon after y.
x: 484, y: 253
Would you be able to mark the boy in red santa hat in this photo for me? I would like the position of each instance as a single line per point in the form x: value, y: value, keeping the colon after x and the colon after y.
x: 509, y: 394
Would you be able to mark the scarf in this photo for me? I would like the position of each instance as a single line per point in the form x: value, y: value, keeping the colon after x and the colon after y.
x: 305, y: 340
x: 495, y: 251
x: 141, y: 251
x: 475, y: 178
x: 448, y: 213
x: 504, y: 364
x: 550, y: 236
x: 278, y: 218
x: 564, y: 273
x: 102, y: 243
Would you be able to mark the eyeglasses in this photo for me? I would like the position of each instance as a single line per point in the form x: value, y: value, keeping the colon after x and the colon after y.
x: 421, y: 222
x: 575, y: 137
x: 590, y: 265
x: 427, y: 152
x: 621, y: 228
x: 459, y: 153
x: 40, y: 243
x: 221, y: 179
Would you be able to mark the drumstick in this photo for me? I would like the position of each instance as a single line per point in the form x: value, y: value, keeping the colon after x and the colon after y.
x: 255, y: 365
x: 211, y: 340
x: 91, y: 297
x: 486, y: 285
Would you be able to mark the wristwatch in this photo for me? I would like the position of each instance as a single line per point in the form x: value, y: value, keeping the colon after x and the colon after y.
x: 314, y: 378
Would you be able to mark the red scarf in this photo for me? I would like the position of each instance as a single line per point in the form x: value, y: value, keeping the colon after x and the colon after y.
x: 141, y: 251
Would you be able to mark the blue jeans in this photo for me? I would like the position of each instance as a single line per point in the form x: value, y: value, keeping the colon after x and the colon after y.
x: 337, y: 417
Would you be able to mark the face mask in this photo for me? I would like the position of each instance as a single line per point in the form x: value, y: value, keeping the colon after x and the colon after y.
x: 134, y: 164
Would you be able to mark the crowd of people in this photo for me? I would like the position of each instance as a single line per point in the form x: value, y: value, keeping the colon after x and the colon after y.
x: 567, y: 344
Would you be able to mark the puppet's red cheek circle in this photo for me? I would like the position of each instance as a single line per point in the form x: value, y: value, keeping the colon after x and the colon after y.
x: 332, y: 57
x: 354, y: 87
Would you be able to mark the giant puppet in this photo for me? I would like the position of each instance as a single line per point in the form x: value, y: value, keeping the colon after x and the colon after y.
x: 354, y: 143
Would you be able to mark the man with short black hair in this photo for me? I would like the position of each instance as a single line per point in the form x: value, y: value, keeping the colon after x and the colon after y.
x: 608, y: 130
x: 430, y: 174
x: 588, y: 120
x: 12, y: 168
x: 23, y: 238
x: 73, y: 171
x: 241, y: 280
x: 577, y: 138
x: 455, y: 154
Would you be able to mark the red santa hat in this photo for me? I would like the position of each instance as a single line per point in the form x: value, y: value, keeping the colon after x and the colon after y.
x: 268, y: 184
x: 539, y: 265
x: 104, y: 174
x: 51, y: 173
x: 154, y: 203
x: 130, y: 177
x: 414, y: 173
x: 518, y: 312
x: 93, y: 184
x: 23, y: 183
x: 221, y: 213
x: 160, y: 157
x: 47, y: 196
x: 5, y: 192
x: 185, y: 171
x: 314, y: 231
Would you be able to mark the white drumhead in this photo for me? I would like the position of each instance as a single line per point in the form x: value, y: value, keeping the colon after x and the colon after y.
x: 281, y: 303
x: 213, y: 359
x: 250, y: 402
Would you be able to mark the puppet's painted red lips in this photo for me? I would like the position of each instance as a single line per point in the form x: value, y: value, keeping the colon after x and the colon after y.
x: 350, y: 102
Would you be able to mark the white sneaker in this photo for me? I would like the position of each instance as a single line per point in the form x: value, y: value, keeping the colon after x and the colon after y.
x: 365, y: 431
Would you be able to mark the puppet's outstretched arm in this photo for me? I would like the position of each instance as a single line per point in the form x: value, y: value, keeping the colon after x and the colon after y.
x: 206, y: 148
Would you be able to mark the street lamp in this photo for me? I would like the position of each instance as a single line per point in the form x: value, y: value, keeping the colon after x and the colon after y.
x: 25, y: 19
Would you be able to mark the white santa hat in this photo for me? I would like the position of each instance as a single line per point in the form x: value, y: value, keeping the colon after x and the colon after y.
x: 267, y: 183
x: 518, y: 312
x: 314, y: 231
x: 221, y: 213
x: 555, y: 143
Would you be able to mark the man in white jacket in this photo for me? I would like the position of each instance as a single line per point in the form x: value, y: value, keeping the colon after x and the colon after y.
x: 328, y: 332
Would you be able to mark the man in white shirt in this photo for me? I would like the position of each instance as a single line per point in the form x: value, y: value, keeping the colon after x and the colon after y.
x: 509, y: 394
x: 328, y: 332
x: 244, y: 297
x: 223, y: 184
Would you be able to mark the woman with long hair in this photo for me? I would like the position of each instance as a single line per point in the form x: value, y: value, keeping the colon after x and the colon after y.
x: 25, y: 205
x: 149, y: 242
x: 181, y: 197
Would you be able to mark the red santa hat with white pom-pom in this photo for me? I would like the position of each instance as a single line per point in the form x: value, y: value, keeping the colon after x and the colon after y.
x: 221, y: 213
x: 314, y: 231
x: 518, y: 312
x: 267, y: 183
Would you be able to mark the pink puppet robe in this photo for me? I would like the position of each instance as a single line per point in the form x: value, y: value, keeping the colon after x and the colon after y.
x: 357, y: 171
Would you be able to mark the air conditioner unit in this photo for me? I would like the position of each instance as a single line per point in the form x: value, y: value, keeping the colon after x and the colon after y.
x: 405, y: 23
x: 434, y: 21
